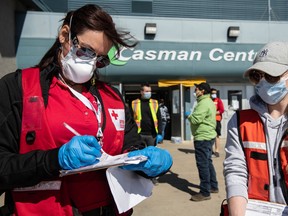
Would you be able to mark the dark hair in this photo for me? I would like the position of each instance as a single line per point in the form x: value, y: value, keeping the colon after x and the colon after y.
x: 89, y: 17
x: 144, y: 85
x: 213, y: 89
x: 204, y: 86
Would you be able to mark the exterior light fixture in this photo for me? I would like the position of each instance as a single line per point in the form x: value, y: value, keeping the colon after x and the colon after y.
x: 150, y: 29
x: 233, y: 31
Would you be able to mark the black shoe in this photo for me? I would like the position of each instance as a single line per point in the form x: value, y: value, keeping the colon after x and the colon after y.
x: 199, y: 197
x: 155, y: 181
x: 214, y: 190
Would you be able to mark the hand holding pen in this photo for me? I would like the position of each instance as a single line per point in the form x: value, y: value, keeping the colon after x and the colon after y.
x: 72, y: 130
x: 79, y: 151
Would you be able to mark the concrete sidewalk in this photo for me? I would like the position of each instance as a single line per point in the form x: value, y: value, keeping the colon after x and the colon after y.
x: 172, y: 195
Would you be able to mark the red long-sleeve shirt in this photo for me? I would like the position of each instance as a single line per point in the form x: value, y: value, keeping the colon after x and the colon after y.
x: 219, y: 108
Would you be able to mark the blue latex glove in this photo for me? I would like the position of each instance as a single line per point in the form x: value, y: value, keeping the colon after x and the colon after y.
x: 159, y: 161
x: 79, y: 151
x: 187, y: 114
x: 159, y: 138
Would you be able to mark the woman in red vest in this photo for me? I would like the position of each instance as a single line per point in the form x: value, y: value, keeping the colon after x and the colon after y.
x: 257, y: 141
x: 41, y: 110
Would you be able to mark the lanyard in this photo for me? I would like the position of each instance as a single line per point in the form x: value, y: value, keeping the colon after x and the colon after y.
x: 89, y: 105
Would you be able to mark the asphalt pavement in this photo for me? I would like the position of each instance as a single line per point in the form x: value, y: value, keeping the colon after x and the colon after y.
x: 171, y: 197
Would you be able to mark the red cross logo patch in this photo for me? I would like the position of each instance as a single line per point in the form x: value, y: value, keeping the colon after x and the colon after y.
x: 118, y: 118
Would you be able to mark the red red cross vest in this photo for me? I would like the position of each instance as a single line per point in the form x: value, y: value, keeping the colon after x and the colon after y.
x: 254, y: 142
x: 87, y: 190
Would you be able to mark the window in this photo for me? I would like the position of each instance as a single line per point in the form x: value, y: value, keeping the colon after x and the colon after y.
x: 235, y: 99
x: 142, y: 6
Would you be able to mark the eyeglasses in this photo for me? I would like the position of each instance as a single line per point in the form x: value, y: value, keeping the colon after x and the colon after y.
x: 255, y: 77
x: 88, y: 54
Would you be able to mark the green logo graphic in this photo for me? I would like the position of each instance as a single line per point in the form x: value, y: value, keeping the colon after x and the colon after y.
x: 114, y: 58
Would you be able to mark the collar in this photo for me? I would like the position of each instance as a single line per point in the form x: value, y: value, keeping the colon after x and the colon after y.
x: 203, y: 97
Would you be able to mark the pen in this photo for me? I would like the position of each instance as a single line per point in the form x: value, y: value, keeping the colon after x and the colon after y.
x: 72, y: 130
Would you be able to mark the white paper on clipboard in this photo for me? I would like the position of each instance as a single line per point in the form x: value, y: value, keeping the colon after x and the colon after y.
x: 128, y: 188
x: 107, y: 161
x: 262, y: 208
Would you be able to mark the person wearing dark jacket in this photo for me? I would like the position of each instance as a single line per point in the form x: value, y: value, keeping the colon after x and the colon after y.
x: 63, y: 89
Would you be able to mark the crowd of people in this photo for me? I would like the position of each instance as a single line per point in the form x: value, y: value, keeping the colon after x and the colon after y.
x: 256, y: 137
x: 63, y: 89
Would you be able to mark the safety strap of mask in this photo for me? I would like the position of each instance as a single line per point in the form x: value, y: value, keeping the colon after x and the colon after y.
x: 89, y: 105
x: 70, y: 24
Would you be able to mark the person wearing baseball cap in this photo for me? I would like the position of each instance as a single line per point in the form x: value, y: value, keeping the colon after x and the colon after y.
x: 255, y: 166
x: 203, y: 124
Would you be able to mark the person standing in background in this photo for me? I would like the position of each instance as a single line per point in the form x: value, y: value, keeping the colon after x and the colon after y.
x: 203, y: 125
x: 147, y: 116
x: 165, y: 116
x: 219, y: 111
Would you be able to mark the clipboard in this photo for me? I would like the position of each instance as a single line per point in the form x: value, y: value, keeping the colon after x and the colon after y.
x: 106, y: 161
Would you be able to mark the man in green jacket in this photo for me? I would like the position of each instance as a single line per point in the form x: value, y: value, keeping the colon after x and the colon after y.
x: 203, y: 124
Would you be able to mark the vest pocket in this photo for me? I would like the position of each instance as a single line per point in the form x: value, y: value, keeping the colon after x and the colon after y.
x: 258, y: 188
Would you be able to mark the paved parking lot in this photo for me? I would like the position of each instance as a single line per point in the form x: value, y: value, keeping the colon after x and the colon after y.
x: 172, y: 195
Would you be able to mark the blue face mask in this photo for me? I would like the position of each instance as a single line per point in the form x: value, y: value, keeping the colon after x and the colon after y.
x: 147, y: 95
x: 271, y: 93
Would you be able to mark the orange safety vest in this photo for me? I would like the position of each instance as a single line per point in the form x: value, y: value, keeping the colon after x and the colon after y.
x: 89, y: 190
x: 252, y: 136
x: 136, y: 106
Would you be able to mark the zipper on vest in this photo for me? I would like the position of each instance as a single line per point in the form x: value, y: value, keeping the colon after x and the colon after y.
x: 274, y: 176
x: 282, y: 180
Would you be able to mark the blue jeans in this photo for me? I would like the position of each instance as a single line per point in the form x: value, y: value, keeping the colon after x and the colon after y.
x: 164, y: 123
x: 206, y: 170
